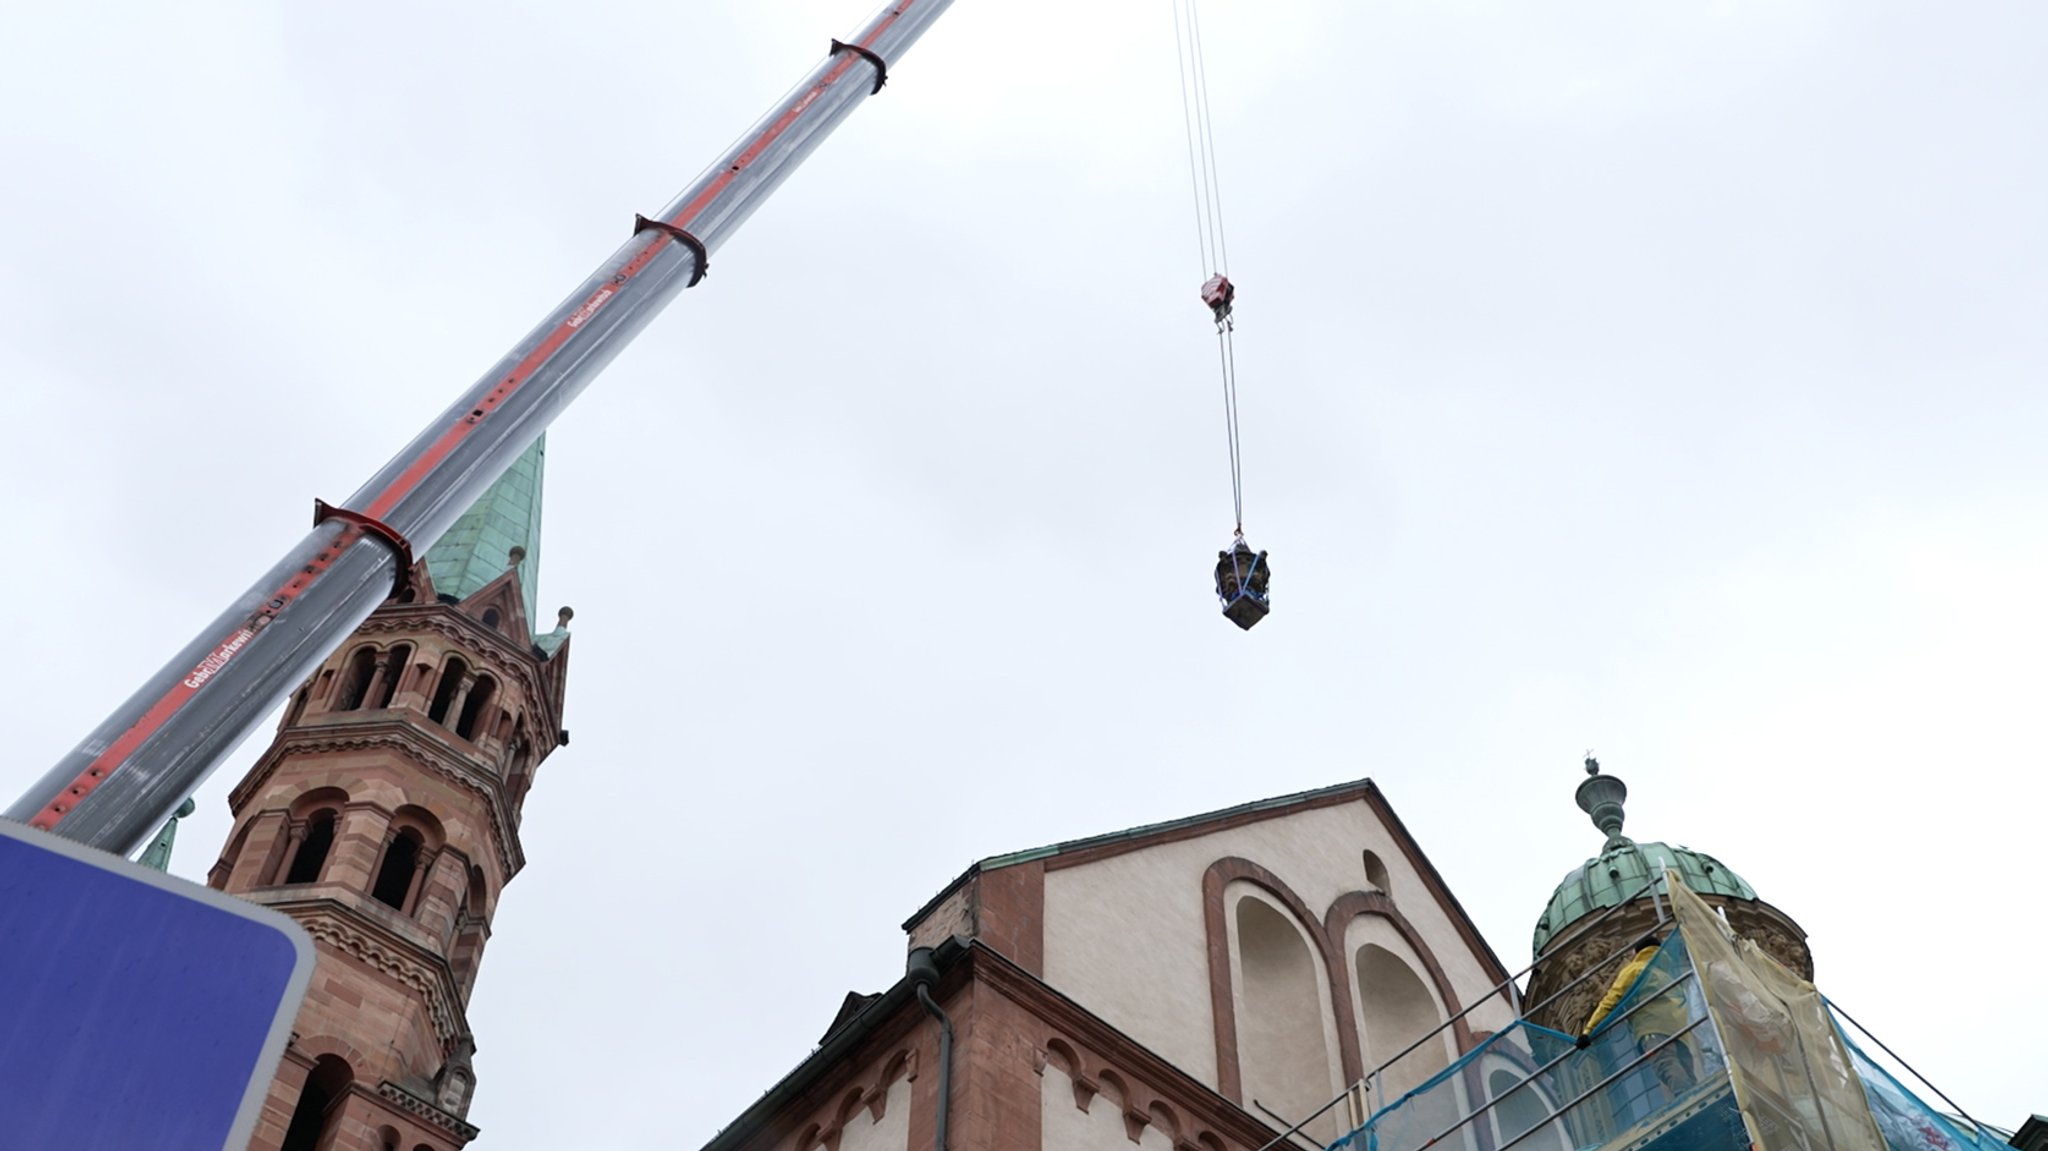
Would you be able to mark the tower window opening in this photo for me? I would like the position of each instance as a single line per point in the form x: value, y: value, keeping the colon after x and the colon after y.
x: 394, y: 877
x: 444, y: 695
x: 361, y: 667
x: 469, y: 935
x: 394, y: 675
x: 491, y: 617
x: 312, y: 854
x: 473, y: 707
x: 319, y: 1111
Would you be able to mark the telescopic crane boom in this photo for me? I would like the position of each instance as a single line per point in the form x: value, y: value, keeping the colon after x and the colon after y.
x: 156, y: 748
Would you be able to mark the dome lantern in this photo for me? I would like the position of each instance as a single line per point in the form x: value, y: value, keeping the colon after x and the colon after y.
x: 1601, y: 797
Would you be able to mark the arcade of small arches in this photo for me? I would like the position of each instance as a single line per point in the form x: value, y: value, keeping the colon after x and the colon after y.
x: 1130, y: 1100
x: 453, y: 694
x: 857, y: 1121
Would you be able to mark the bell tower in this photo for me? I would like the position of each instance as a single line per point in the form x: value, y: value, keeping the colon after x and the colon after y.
x: 384, y: 818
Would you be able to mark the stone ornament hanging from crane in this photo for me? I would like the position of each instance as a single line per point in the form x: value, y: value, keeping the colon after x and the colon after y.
x: 1242, y: 576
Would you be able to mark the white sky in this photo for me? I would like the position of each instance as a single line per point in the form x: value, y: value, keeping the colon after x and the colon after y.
x: 1657, y: 378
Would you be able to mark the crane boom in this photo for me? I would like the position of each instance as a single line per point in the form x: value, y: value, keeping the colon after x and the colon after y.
x: 137, y: 766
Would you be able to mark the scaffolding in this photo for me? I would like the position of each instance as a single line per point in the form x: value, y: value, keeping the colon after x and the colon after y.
x: 1709, y: 1045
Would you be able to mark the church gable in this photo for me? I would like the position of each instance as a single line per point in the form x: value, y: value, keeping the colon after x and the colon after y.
x: 500, y: 605
x: 1271, y: 950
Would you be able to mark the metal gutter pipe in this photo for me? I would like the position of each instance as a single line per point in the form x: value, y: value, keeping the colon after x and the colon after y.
x: 923, y: 973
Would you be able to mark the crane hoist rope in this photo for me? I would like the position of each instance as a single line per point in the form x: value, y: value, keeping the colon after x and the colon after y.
x: 1241, y: 574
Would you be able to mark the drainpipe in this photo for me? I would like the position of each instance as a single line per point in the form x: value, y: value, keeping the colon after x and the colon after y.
x: 923, y: 973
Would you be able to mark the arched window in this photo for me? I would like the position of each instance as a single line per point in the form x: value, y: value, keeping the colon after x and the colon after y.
x: 444, y: 695
x: 298, y: 708
x: 491, y: 617
x: 1282, y: 1045
x: 217, y: 877
x: 356, y: 681
x: 1398, y: 1010
x: 453, y: 1096
x: 319, y: 1109
x: 473, y: 707
x: 519, y: 763
x: 394, y: 675
x: 1518, y: 1110
x: 470, y: 932
x: 1376, y: 875
x: 394, y: 875
x: 312, y: 855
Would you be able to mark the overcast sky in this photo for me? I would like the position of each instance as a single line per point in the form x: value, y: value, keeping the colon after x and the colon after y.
x: 1657, y: 378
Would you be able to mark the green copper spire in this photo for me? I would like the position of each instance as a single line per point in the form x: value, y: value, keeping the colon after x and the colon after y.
x: 479, y: 547
x: 158, y: 853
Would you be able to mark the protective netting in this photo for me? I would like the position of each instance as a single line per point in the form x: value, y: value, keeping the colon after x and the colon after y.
x: 1711, y: 1045
x: 1909, y: 1124
x: 1652, y: 1068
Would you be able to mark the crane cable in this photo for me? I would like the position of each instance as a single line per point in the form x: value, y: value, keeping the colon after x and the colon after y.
x: 1214, y: 250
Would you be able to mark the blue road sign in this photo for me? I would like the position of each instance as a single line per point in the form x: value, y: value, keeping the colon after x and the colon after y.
x: 137, y: 1011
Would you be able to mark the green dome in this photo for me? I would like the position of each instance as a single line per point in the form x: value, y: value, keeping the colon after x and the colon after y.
x: 1621, y: 871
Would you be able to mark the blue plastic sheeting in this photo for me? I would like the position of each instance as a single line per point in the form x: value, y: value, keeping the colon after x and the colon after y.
x: 1909, y: 1124
x: 1652, y: 1072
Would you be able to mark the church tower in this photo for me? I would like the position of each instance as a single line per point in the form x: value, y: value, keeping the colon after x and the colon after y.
x: 384, y: 818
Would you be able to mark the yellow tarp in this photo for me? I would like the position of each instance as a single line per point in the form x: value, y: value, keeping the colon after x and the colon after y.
x: 1793, y: 1079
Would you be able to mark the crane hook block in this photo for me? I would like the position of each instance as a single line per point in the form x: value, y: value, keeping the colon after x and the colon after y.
x: 1242, y: 576
x: 1219, y: 293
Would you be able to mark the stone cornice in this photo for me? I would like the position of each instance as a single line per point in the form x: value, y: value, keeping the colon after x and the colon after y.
x: 409, y: 740
x: 419, y: 1108
x: 425, y: 972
